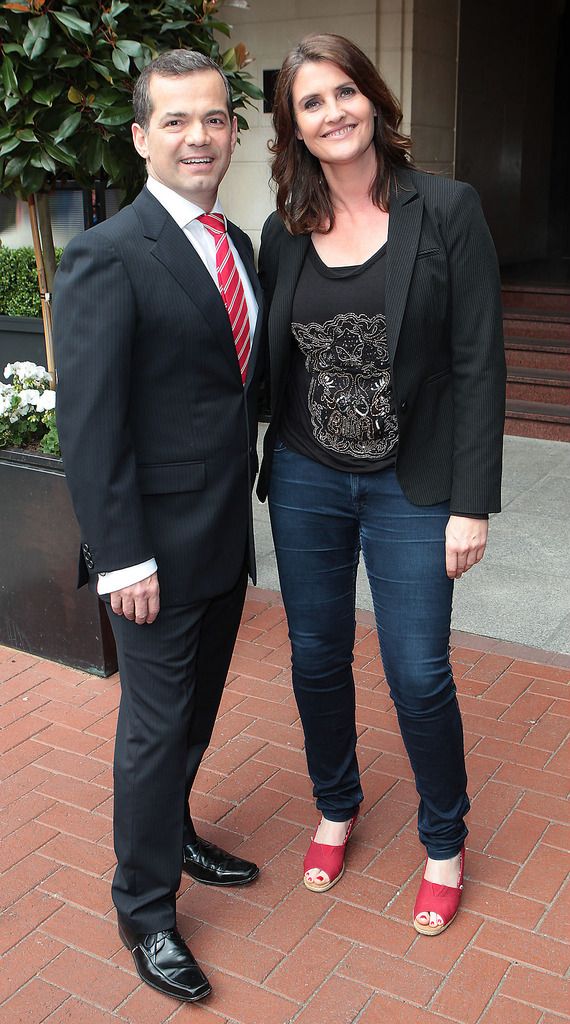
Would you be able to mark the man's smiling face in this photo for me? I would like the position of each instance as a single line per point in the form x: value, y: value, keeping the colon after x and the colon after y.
x: 191, y: 137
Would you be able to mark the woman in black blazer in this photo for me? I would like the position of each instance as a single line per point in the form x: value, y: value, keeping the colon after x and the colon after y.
x: 387, y: 387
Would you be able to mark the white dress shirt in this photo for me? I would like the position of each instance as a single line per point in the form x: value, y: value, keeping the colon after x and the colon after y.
x: 185, y: 214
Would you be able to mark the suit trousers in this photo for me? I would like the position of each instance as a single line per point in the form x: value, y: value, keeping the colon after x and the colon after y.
x: 322, y: 518
x: 172, y: 678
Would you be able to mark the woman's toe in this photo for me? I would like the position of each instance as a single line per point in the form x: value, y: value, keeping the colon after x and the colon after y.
x: 316, y: 876
x: 431, y: 919
x: 435, y: 920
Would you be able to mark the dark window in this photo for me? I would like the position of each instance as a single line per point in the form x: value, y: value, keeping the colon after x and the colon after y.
x: 269, y: 82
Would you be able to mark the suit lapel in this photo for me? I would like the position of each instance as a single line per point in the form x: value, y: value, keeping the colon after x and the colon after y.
x: 173, y: 250
x: 406, y: 210
x: 291, y: 257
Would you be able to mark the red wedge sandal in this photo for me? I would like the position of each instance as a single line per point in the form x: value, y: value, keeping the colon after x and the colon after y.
x: 328, y: 859
x: 442, y: 900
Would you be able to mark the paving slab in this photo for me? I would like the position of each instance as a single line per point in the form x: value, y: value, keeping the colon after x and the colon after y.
x: 275, y: 953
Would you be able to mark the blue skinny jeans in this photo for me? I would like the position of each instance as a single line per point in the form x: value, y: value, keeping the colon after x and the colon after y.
x: 321, y: 518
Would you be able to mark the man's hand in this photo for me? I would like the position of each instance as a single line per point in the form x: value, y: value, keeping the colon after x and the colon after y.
x: 140, y: 601
x: 465, y: 541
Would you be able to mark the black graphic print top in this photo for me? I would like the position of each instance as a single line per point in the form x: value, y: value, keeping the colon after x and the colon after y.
x: 339, y: 407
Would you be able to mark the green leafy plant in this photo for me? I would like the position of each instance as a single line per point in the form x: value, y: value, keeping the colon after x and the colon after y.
x: 67, y: 76
x: 19, y: 295
x: 27, y: 409
x: 68, y: 71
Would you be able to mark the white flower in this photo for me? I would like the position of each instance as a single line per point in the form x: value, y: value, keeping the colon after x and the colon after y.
x: 19, y: 369
x: 28, y: 371
x: 41, y: 376
x: 6, y: 398
x: 46, y: 401
x: 29, y: 398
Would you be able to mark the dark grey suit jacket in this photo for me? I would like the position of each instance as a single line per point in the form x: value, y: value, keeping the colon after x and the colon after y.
x: 444, y: 330
x: 157, y: 431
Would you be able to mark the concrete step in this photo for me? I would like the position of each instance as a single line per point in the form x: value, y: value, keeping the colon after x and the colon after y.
x: 538, y: 385
x: 547, y: 353
x: 536, y: 320
x: 544, y: 298
x: 532, y: 323
x: 537, y: 419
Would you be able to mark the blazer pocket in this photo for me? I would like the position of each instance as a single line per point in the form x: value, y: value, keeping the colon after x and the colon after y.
x: 172, y: 478
x: 427, y: 252
x: 438, y: 375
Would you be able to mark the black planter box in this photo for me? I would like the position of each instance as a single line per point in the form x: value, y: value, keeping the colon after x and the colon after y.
x: 41, y: 611
x: 21, y: 338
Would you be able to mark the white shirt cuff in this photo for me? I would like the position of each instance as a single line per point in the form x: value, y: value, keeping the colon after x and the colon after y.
x: 108, y: 582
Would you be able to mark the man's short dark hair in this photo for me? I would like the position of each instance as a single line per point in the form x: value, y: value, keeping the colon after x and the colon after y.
x: 172, y: 64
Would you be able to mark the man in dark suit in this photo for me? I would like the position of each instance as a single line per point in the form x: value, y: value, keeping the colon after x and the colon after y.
x: 155, y: 318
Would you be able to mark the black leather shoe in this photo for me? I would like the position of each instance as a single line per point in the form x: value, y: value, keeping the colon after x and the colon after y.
x: 163, y: 960
x: 206, y: 863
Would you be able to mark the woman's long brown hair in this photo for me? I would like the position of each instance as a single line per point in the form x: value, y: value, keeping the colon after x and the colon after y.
x: 303, y: 198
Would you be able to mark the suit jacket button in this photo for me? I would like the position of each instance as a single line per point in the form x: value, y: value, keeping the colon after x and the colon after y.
x: 403, y: 406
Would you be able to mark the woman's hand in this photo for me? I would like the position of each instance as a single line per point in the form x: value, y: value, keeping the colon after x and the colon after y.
x: 465, y: 541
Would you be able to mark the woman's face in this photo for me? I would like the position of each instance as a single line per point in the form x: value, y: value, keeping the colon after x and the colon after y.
x: 333, y: 118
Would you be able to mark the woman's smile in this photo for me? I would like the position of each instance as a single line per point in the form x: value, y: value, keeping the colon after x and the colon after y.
x: 339, y: 133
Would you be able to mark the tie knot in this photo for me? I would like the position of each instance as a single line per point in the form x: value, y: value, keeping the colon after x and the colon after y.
x: 215, y: 223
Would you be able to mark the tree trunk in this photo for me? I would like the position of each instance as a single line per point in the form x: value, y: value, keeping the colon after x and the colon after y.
x: 42, y: 244
x: 44, y: 218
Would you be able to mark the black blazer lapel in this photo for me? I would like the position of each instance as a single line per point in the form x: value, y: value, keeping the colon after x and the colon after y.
x: 292, y: 254
x: 177, y: 254
x: 404, y: 227
x: 406, y: 211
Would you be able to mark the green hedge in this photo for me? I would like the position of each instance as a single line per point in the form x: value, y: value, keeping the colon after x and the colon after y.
x: 19, y: 294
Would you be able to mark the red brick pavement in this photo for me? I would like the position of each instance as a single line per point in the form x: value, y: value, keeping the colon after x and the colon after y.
x: 274, y: 952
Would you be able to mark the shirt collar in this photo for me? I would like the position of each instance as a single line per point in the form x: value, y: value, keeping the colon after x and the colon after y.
x: 182, y: 210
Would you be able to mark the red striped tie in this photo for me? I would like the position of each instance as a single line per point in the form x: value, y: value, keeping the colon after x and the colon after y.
x: 231, y: 287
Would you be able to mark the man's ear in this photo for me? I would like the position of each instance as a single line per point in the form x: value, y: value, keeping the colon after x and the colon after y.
x: 139, y: 140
